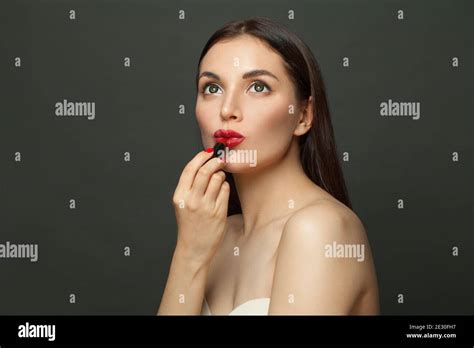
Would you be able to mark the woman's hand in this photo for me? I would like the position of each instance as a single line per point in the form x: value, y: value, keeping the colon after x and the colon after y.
x: 200, y: 202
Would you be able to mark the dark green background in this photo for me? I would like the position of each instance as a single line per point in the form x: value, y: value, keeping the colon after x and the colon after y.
x: 128, y: 204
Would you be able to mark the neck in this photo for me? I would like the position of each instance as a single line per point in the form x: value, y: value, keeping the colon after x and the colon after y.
x: 266, y: 194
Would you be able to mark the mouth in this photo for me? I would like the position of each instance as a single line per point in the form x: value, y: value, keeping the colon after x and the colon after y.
x: 228, y: 137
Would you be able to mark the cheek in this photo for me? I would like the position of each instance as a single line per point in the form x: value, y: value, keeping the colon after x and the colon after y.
x: 205, y: 119
x: 205, y: 122
x: 201, y: 113
x: 273, y: 122
x: 271, y: 128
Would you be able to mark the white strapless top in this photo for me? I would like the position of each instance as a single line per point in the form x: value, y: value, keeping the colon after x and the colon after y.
x: 257, y: 306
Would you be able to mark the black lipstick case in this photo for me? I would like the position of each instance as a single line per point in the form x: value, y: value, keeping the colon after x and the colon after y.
x: 217, y: 148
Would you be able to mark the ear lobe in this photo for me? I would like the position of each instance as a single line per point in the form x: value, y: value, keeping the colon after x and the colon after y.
x: 302, y: 128
x: 306, y: 118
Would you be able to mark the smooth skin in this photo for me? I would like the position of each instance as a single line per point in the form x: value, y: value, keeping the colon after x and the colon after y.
x: 200, y: 202
x: 276, y: 248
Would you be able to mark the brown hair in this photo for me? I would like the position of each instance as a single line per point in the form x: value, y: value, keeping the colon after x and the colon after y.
x: 318, y: 153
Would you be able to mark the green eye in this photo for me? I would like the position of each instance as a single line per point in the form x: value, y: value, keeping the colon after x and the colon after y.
x: 213, y: 88
x: 260, y: 86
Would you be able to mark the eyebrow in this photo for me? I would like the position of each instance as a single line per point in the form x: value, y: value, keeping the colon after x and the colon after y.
x: 247, y: 75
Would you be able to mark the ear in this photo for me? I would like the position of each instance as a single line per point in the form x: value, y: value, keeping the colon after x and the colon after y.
x: 305, y: 118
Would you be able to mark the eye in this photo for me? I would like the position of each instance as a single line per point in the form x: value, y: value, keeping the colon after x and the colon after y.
x: 260, y: 86
x: 212, y: 88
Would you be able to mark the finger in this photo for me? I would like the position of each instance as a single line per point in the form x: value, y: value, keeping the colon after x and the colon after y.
x: 203, y: 176
x: 214, y: 186
x: 222, y: 200
x: 189, y: 172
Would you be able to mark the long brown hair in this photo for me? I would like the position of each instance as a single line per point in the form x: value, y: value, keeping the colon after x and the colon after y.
x: 318, y: 152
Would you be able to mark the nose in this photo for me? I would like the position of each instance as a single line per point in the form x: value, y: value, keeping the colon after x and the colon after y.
x: 230, y: 110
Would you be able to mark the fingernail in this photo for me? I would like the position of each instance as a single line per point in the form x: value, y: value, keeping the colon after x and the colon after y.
x: 209, y: 150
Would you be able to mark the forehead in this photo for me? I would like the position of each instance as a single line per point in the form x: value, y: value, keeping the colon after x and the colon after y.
x: 245, y: 52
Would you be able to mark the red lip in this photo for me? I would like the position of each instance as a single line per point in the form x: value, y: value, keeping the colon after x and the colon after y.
x: 228, y: 137
x: 227, y: 133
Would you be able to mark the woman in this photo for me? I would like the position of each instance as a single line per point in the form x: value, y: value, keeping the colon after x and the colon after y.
x: 278, y: 236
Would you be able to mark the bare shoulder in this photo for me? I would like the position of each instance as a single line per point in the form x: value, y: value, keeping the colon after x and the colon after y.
x: 325, y: 219
x: 321, y: 259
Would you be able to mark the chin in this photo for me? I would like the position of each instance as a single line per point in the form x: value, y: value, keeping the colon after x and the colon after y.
x: 239, y: 168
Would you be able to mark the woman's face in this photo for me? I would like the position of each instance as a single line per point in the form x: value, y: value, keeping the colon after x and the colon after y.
x: 262, y: 107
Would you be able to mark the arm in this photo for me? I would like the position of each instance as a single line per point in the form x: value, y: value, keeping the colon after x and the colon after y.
x: 306, y: 279
x: 200, y: 202
x: 184, y: 291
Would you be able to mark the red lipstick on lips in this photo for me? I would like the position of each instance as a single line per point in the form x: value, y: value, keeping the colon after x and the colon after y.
x: 228, y: 137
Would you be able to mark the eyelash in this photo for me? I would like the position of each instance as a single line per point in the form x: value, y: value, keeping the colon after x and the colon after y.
x: 203, y: 89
